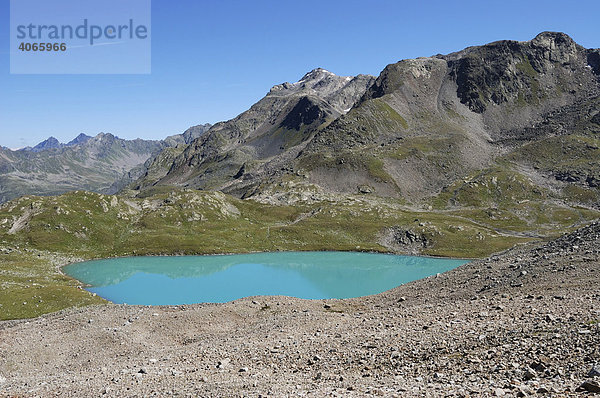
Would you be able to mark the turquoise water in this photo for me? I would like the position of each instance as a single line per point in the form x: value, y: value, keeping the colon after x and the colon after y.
x: 218, y: 279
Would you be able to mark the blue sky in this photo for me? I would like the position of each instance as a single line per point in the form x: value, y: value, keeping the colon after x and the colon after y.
x: 211, y: 60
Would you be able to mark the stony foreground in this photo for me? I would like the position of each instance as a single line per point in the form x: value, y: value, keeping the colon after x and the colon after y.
x: 521, y: 323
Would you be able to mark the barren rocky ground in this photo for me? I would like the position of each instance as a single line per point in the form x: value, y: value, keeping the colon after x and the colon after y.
x: 520, y: 323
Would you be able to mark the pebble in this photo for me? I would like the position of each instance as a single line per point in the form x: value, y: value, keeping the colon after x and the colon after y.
x: 223, y: 362
x: 594, y: 371
x: 589, y: 386
x: 529, y: 374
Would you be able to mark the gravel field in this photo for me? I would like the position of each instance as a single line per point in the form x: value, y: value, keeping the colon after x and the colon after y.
x: 524, y: 322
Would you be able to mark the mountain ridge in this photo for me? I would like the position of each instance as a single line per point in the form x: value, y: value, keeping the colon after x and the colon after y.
x: 53, y: 143
x: 420, y: 126
x: 504, y: 134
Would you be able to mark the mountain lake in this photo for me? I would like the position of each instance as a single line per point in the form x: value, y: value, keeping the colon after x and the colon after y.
x: 173, y: 280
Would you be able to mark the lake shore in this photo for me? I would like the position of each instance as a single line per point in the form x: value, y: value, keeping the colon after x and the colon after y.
x: 518, y: 323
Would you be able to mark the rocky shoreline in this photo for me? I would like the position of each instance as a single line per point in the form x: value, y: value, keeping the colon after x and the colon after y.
x: 524, y: 322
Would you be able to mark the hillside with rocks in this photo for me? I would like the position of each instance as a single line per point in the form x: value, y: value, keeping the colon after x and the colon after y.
x: 264, y: 138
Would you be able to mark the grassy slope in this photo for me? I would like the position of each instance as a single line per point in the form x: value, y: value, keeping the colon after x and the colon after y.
x: 32, y: 285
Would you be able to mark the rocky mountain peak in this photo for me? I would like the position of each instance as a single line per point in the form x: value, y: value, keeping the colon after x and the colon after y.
x: 318, y: 81
x: 510, y: 71
x: 80, y: 139
x: 341, y: 92
x: 50, y: 143
x: 553, y: 40
x: 194, y: 132
x: 53, y: 143
x: 556, y: 46
x: 105, y: 137
x: 317, y: 74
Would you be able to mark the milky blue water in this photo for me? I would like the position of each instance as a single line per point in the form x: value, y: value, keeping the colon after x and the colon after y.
x: 217, y: 279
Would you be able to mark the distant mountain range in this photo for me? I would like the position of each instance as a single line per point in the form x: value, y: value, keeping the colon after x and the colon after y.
x: 103, y: 163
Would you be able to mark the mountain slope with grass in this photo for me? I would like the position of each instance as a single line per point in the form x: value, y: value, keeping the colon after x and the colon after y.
x: 452, y: 131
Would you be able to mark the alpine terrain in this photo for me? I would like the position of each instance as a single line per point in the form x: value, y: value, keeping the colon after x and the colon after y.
x: 490, y: 153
